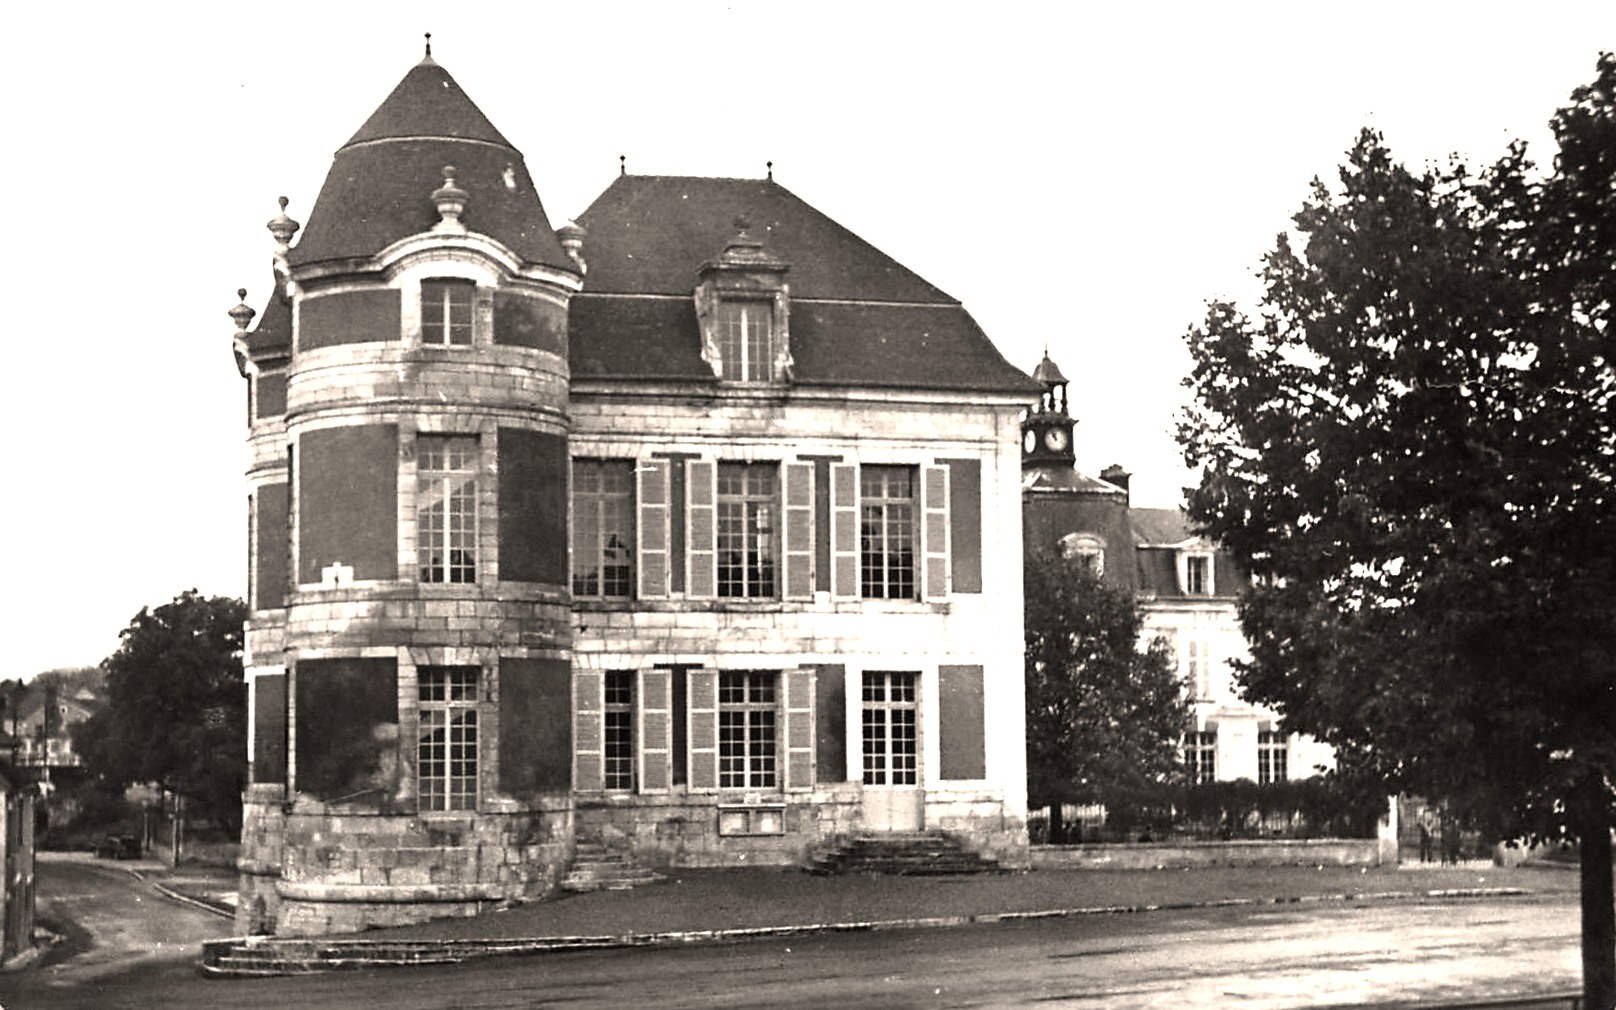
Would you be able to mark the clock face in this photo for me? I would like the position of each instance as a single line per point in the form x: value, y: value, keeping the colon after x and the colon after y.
x: 1055, y: 439
x: 1029, y: 441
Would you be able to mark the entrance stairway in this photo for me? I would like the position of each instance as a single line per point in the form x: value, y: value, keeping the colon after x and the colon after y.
x: 929, y: 853
x: 597, y: 868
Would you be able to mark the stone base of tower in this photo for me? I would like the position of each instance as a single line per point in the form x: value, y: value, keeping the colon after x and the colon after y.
x: 317, y: 873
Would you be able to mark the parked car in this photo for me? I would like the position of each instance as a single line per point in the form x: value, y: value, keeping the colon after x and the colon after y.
x: 118, y: 847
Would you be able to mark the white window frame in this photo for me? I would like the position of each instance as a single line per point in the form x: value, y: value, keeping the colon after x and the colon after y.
x: 454, y: 714
x: 439, y: 292
x: 452, y: 487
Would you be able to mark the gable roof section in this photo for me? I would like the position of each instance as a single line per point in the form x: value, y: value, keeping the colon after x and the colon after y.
x: 1160, y: 527
x: 380, y: 185
x: 857, y: 316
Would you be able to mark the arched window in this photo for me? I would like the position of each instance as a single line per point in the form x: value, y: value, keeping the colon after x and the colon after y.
x: 1087, y: 547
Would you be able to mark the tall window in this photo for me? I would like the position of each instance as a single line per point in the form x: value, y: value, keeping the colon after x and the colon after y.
x: 1198, y: 667
x: 746, y: 340
x: 1271, y: 757
x: 446, y: 312
x: 890, y: 754
x: 602, y: 527
x: 619, y: 739
x: 1198, y: 575
x: 747, y: 506
x: 887, y: 532
x: 446, y: 749
x: 1201, y: 755
x: 747, y: 753
x: 446, y: 507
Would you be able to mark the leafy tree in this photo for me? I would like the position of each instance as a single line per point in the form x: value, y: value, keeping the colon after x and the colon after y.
x: 1412, y: 449
x: 1104, y: 717
x: 176, y: 711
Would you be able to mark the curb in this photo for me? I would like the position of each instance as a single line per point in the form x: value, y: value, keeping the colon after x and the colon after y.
x: 264, y: 956
x: 200, y: 904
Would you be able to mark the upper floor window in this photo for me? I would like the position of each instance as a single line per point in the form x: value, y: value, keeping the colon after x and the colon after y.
x: 446, y: 507
x: 446, y: 310
x: 887, y: 532
x: 1198, y: 668
x: 1087, y: 548
x: 602, y: 528
x: 446, y: 743
x: 746, y: 341
x: 1196, y: 574
x: 746, y: 528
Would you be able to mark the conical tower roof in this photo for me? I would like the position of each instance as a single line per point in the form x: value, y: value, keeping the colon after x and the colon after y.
x: 380, y: 186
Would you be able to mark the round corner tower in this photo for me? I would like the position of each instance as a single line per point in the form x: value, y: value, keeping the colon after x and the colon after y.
x: 408, y: 646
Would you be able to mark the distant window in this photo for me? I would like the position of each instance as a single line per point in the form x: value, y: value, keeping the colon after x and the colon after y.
x: 1198, y: 668
x: 1271, y: 757
x: 1198, y: 575
x: 446, y: 745
x: 748, y: 502
x: 602, y: 528
x: 887, y: 532
x: 446, y: 507
x: 1201, y: 755
x: 746, y: 340
x: 446, y: 312
x: 1087, y: 548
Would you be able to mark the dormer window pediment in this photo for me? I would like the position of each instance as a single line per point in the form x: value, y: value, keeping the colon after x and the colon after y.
x: 743, y: 309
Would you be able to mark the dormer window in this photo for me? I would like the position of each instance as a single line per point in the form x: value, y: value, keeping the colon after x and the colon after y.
x: 446, y: 312
x: 1087, y: 548
x: 746, y: 341
x: 1195, y: 574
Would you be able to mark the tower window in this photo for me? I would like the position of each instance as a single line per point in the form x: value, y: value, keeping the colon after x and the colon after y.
x: 446, y: 746
x: 446, y: 307
x: 446, y: 507
x: 746, y: 341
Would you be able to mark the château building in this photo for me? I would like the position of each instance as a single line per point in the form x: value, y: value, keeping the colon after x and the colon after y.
x: 1187, y: 586
x: 691, y: 531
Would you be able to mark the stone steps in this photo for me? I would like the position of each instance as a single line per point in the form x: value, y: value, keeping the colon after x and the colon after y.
x: 597, y: 868
x: 903, y: 854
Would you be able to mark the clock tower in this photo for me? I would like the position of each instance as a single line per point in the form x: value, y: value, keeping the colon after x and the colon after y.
x: 1046, y: 431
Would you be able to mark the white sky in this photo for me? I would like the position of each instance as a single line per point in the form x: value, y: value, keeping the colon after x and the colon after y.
x: 1081, y: 176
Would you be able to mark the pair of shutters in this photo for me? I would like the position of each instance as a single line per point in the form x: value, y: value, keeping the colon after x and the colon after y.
x: 653, y: 730
x: 798, y: 533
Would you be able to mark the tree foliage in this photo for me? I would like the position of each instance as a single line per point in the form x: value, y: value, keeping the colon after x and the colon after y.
x: 176, y: 706
x: 1412, y: 450
x: 1103, y: 714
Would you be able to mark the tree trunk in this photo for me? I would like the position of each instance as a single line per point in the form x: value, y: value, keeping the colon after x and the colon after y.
x: 1598, y: 905
x: 1057, y: 824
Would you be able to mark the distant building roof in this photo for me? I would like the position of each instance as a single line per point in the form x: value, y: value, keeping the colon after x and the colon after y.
x: 1160, y: 527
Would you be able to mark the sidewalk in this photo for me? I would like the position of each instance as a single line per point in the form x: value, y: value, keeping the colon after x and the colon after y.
x: 715, y: 905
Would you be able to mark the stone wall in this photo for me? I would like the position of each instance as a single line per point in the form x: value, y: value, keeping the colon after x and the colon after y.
x: 1279, y: 852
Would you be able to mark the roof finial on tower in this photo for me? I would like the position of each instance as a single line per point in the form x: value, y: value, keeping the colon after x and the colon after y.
x: 429, y: 45
x: 622, y: 164
x: 771, y: 171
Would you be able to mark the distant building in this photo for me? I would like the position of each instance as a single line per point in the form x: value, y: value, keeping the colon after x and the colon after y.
x: 691, y: 531
x: 1187, y: 586
x: 40, y: 716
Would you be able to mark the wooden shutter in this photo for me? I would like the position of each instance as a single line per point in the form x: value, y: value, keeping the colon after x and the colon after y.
x: 588, y: 702
x: 703, y: 729
x: 844, y: 531
x: 651, y: 489
x: 701, y: 515
x: 655, y: 730
x: 799, y: 734
x: 934, y: 531
x: 799, y: 531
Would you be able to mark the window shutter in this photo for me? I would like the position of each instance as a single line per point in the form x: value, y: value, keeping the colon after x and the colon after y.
x: 588, y: 702
x: 934, y: 530
x: 651, y: 487
x: 703, y: 729
x: 701, y: 548
x: 799, y: 710
x: 799, y: 531
x: 655, y: 730
x: 844, y: 531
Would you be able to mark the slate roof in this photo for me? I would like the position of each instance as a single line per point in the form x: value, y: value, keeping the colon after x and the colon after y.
x: 1160, y: 527
x: 379, y: 189
x: 857, y: 316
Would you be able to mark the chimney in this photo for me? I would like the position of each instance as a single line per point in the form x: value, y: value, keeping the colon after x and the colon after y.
x: 1115, y: 474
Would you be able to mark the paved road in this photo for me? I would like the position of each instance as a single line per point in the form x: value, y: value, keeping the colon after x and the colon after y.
x: 1254, y: 959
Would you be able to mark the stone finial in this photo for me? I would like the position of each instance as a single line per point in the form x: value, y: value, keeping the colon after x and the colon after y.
x: 451, y: 201
x: 283, y: 228
x: 242, y: 313
x: 572, y: 236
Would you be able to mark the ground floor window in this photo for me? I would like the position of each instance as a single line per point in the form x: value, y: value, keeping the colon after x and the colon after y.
x: 1201, y: 755
x: 1271, y: 757
x: 446, y: 747
x: 747, y: 745
x: 619, y: 730
x: 890, y: 721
